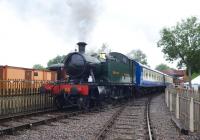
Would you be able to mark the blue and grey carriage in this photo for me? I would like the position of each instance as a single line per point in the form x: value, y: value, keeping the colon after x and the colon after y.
x: 148, y: 80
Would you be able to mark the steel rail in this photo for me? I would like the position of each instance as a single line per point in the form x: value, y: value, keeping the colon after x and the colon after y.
x: 148, y: 120
x: 22, y: 115
x: 31, y: 113
x: 101, y: 134
x: 12, y: 129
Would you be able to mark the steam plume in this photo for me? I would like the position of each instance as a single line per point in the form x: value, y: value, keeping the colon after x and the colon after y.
x: 67, y: 18
x: 83, y: 15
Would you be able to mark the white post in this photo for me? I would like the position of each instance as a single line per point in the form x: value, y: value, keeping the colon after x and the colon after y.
x: 166, y: 97
x: 170, y: 102
x: 177, y: 106
x: 192, y: 115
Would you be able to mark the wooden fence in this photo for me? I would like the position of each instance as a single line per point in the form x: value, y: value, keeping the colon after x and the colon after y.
x: 185, y: 105
x: 21, y: 96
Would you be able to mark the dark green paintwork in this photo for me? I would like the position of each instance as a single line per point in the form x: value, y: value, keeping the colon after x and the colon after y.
x: 118, y: 69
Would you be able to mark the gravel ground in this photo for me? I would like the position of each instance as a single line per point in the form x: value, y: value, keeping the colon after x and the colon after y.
x: 163, y: 127
x: 82, y: 127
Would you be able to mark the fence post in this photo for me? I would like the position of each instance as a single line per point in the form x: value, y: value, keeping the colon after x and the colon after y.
x: 177, y: 106
x: 170, y: 102
x: 191, y: 115
x: 166, y: 97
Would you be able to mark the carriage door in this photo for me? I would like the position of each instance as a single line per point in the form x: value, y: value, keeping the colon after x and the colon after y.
x: 28, y: 77
x: 1, y: 74
x: 53, y: 76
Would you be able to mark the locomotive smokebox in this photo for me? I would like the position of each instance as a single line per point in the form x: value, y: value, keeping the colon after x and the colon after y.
x: 81, y: 47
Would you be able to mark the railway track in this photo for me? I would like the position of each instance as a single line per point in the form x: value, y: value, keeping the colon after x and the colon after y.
x: 21, y: 115
x: 124, y: 121
x: 10, y: 125
x: 131, y: 121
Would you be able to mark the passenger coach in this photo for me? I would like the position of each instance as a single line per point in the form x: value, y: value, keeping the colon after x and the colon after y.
x: 148, y: 80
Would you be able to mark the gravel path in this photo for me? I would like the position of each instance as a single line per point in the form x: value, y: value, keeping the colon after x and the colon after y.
x: 163, y: 127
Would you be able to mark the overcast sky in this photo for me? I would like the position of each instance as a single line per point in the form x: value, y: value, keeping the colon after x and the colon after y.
x: 34, y: 31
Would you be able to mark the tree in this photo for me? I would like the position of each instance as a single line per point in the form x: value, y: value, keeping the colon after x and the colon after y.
x: 104, y: 49
x: 194, y: 75
x: 38, y: 66
x: 182, y: 43
x: 138, y: 56
x: 58, y: 59
x: 162, y: 67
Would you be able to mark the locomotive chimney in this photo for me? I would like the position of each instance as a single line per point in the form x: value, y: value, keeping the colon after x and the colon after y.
x: 81, y: 47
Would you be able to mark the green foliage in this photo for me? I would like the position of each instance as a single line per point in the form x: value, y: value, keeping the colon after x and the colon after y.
x: 182, y: 43
x: 138, y: 56
x: 38, y: 66
x: 58, y: 59
x: 194, y: 75
x: 162, y: 67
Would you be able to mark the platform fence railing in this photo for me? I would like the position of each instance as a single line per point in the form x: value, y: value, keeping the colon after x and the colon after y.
x: 184, y: 104
x: 23, y: 96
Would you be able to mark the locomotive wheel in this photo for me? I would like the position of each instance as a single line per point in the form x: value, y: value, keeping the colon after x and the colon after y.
x: 83, y: 103
x: 80, y: 102
x: 59, y: 102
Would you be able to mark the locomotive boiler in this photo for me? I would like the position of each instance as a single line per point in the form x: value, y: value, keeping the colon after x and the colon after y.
x: 82, y: 67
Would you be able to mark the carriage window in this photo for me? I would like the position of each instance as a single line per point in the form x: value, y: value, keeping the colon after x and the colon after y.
x: 124, y: 60
x: 35, y: 73
x: 154, y: 76
x: 146, y: 73
x: 117, y: 60
x: 102, y: 56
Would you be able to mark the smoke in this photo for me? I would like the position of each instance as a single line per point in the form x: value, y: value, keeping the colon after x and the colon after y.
x: 83, y: 16
x: 68, y: 19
